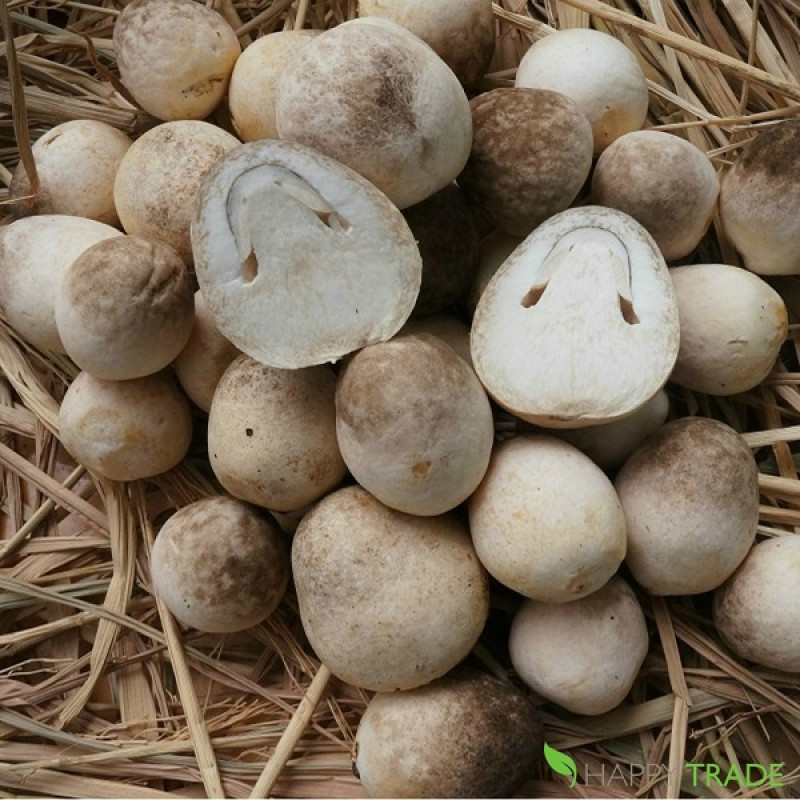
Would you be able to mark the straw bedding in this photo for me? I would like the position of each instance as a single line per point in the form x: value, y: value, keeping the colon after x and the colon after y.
x: 103, y: 695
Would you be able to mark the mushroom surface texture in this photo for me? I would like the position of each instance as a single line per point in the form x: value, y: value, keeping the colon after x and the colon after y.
x: 387, y: 600
x: 272, y: 434
x: 414, y: 424
x: 219, y: 565
x: 690, y: 496
x: 126, y: 430
x: 76, y: 163
x: 460, y: 31
x: 579, y: 325
x: 584, y: 655
x: 396, y: 113
x: 35, y: 253
x: 125, y: 308
x: 466, y: 734
x: 531, y: 154
x: 300, y: 259
x: 175, y: 56
x: 757, y: 610
x: 158, y: 179
x: 758, y: 200
x: 664, y: 182
x: 595, y: 70
x: 733, y: 324
x: 546, y: 521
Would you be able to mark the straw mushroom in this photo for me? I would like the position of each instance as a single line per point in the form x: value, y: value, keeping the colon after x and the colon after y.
x: 387, y: 600
x: 531, y: 154
x: 445, y: 739
x: 690, y: 496
x: 395, y: 114
x: 159, y: 177
x: 35, y: 252
x: 664, y: 182
x: 76, y: 163
x: 175, y: 56
x: 757, y: 610
x: 300, y: 259
x: 125, y: 309
x: 584, y: 655
x: 733, y: 324
x: 460, y: 31
x: 580, y: 325
x: 126, y: 430
x: 546, y: 521
x: 758, y: 199
x: 219, y: 565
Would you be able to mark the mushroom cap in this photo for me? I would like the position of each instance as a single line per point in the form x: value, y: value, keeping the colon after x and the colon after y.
x: 396, y: 113
x: 579, y: 325
x: 546, y: 521
x: 158, y: 179
x: 175, y: 56
x: 76, y: 163
x: 125, y: 308
x: 219, y: 565
x: 126, y: 430
x: 414, y: 424
x: 758, y: 200
x: 690, y: 496
x: 300, y: 259
x: 451, y: 330
x: 584, y: 655
x: 595, y: 70
x: 757, y: 610
x: 460, y: 31
x: 253, y: 91
x: 531, y: 154
x: 446, y: 739
x: 664, y: 182
x: 205, y: 356
x: 387, y: 600
x: 733, y: 324
x: 272, y: 434
x: 35, y: 253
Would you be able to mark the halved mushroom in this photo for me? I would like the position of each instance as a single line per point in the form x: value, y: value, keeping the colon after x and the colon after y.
x: 300, y: 259
x: 580, y: 324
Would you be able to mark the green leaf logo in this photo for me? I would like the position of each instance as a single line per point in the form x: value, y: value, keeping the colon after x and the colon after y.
x: 561, y: 763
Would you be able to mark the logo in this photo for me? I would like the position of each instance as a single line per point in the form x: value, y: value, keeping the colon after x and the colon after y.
x: 561, y: 763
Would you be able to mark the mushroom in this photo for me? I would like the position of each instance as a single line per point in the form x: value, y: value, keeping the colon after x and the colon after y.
x: 690, y: 496
x: 125, y: 309
x: 272, y: 434
x: 219, y: 565
x: 76, y: 163
x: 253, y: 91
x: 494, y: 250
x: 460, y: 31
x: 126, y: 430
x: 445, y: 327
x: 414, y: 424
x: 387, y: 600
x: 445, y: 739
x: 664, y: 182
x: 531, y: 154
x: 758, y: 198
x: 733, y: 324
x: 757, y: 610
x: 546, y: 521
x: 300, y: 259
x: 396, y: 113
x: 35, y: 252
x: 580, y: 325
x: 174, y: 56
x: 595, y: 70
x: 583, y: 655
x: 158, y: 179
